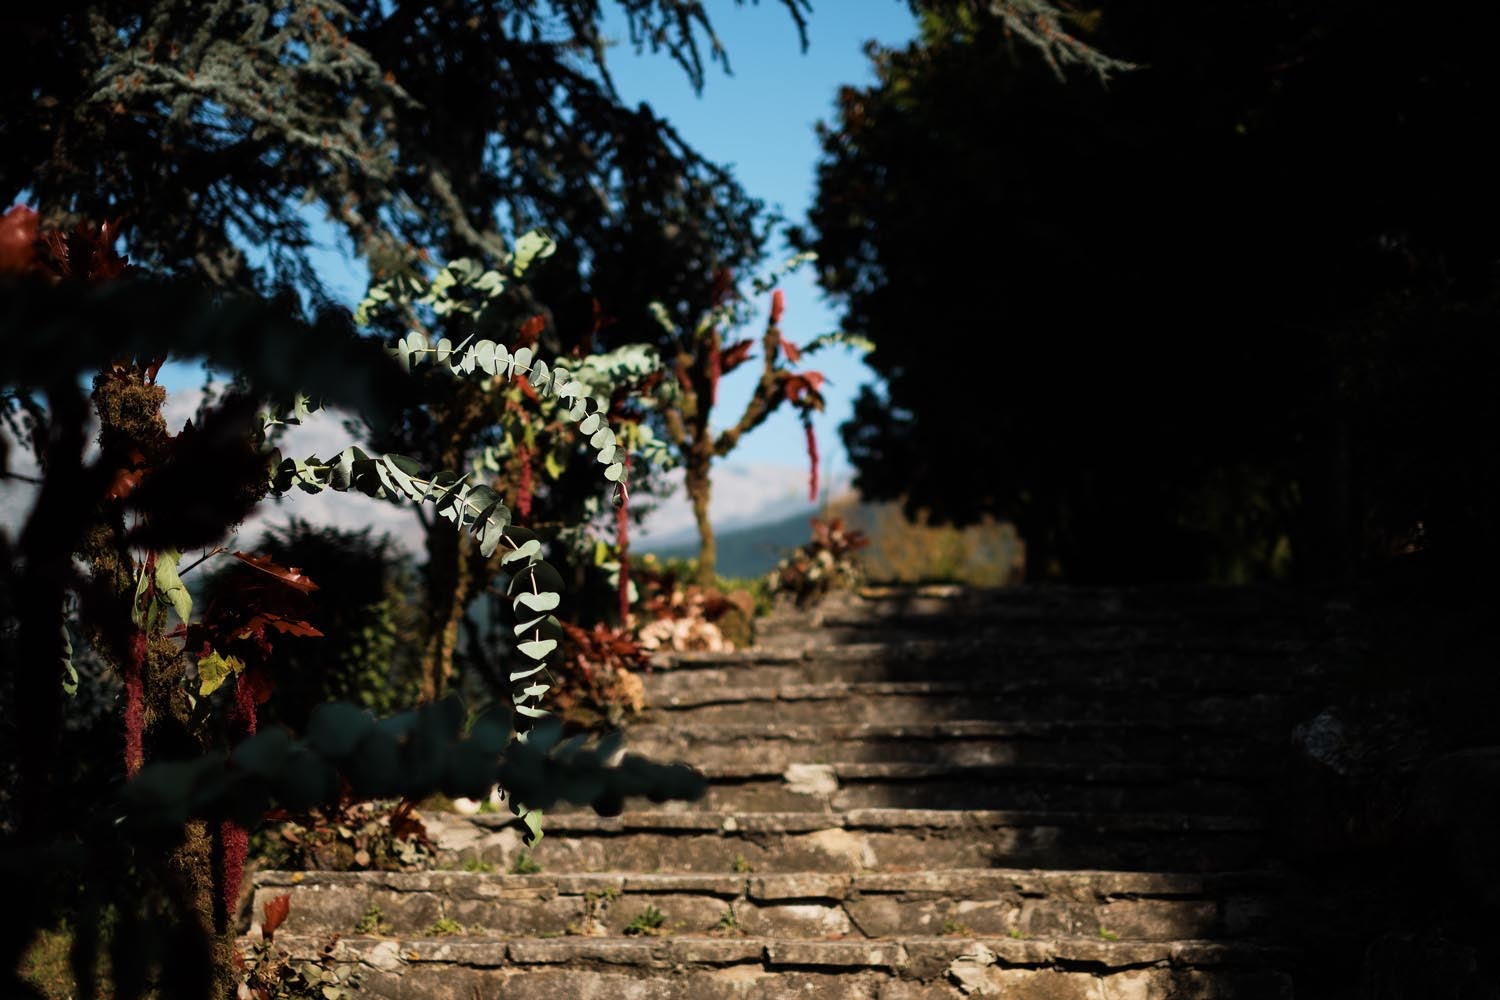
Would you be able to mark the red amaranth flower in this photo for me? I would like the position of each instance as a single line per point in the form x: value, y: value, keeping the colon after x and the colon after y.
x: 622, y: 538
x: 135, y: 704
x: 234, y: 840
x: 523, y: 485
x: 812, y: 455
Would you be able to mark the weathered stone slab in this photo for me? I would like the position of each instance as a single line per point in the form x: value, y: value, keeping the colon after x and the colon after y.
x: 907, y: 969
x: 963, y: 903
x: 866, y: 839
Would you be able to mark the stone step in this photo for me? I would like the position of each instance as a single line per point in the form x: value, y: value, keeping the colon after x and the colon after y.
x: 1072, y: 787
x: 773, y: 747
x: 1039, y: 638
x: 679, y: 967
x: 1104, y: 668
x: 1156, y: 604
x: 1144, y: 906
x: 926, y: 701
x: 885, y: 840
x: 1181, y: 677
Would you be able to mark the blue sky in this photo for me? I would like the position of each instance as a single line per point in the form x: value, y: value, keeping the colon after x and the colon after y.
x: 759, y: 120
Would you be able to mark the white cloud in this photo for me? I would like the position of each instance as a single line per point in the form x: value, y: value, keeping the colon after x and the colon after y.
x: 743, y: 493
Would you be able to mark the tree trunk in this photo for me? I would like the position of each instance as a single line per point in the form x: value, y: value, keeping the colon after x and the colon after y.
x: 699, y: 488
x: 448, y: 586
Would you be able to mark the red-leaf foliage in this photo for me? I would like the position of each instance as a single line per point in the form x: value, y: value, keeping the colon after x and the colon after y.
x: 289, y: 575
x: 598, y: 678
x: 802, y: 389
x: 530, y: 331
x: 778, y: 306
x: 792, y: 351
x: 247, y: 612
x: 128, y: 477
x: 275, y: 914
x: 18, y: 240
x: 87, y: 253
x: 734, y: 355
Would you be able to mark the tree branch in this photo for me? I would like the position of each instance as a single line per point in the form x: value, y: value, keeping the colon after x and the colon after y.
x: 763, y: 401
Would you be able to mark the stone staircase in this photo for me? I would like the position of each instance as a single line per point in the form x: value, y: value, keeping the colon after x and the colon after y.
x: 915, y: 794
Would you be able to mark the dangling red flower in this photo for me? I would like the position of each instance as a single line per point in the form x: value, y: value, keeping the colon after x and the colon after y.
x: 234, y: 840
x: 135, y: 704
x: 524, y: 485
x: 812, y: 455
x: 622, y: 539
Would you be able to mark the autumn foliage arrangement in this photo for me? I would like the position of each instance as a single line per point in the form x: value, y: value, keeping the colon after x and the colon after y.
x: 828, y: 562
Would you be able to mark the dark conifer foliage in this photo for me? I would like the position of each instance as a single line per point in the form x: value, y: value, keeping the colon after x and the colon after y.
x: 1229, y: 315
x: 434, y: 127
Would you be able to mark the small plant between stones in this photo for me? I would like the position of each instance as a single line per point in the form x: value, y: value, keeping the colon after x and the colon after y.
x: 728, y: 926
x: 525, y: 864
x: 953, y: 928
x: 373, y: 922
x: 650, y: 921
x: 444, y: 927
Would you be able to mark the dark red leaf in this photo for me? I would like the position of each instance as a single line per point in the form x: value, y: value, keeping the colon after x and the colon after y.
x: 735, y: 355
x: 802, y: 389
x: 291, y: 576
x: 530, y: 331
x: 286, y: 626
x: 778, y: 306
x: 792, y: 351
x: 259, y: 684
x: 18, y: 236
x: 126, y: 479
x: 87, y: 253
x: 275, y: 914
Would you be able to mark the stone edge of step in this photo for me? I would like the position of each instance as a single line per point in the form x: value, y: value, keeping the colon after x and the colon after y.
x: 1094, y: 884
x: 864, y: 819
x: 916, y: 957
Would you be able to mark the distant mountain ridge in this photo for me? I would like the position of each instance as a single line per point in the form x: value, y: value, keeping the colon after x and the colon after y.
x: 747, y: 550
x: 984, y: 554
